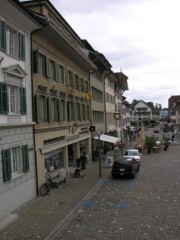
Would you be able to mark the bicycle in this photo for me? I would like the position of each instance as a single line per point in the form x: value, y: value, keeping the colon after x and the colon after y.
x: 46, y: 187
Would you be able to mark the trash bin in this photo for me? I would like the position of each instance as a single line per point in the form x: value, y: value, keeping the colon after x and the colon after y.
x: 83, y: 162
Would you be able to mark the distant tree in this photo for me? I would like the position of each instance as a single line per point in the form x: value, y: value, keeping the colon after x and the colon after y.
x: 151, y: 105
x: 134, y: 102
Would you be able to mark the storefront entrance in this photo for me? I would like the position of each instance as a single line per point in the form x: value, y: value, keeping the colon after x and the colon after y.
x: 71, y: 155
x: 54, y: 160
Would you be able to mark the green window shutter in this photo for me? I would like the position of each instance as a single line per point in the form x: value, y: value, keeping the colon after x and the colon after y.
x: 37, y: 108
x: 25, y: 157
x: 75, y: 111
x: 68, y: 111
x: 86, y: 112
x: 49, y: 109
x: 3, y: 99
x: 23, y: 100
x: 47, y: 67
x: 6, y: 162
x: 57, y: 72
x: 59, y: 110
x: 90, y: 113
x: 81, y: 112
x: 73, y: 76
x: 36, y: 60
x: 21, y: 46
x: 66, y: 77
x: 88, y: 86
x: 2, y: 36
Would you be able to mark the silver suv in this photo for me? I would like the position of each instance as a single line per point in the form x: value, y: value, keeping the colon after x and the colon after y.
x: 135, y: 154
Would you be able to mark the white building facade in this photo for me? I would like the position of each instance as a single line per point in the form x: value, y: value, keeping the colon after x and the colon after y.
x: 17, y: 160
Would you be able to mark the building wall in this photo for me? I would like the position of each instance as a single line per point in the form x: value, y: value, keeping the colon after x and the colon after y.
x: 60, y: 141
x: 22, y: 188
x: 110, y: 103
x: 17, y: 182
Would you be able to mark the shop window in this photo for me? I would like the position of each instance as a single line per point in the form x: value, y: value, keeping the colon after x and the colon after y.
x: 54, y: 162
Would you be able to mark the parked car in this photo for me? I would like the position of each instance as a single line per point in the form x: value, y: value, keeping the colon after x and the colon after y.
x: 156, y: 130
x: 165, y: 129
x: 135, y: 154
x: 124, y: 166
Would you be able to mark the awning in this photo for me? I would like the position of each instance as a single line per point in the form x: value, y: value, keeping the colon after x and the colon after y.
x: 53, y: 147
x: 107, y: 138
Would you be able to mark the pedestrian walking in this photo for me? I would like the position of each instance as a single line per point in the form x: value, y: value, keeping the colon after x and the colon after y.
x: 173, y: 137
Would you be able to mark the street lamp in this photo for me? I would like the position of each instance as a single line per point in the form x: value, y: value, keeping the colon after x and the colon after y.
x: 99, y: 150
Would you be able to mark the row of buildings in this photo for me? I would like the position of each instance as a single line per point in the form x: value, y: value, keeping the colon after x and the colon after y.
x: 54, y: 88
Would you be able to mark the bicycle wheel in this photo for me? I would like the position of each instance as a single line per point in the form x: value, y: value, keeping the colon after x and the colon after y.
x: 43, y: 190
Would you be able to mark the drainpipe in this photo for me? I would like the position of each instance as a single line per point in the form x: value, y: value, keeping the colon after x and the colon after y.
x: 33, y: 32
x: 90, y: 72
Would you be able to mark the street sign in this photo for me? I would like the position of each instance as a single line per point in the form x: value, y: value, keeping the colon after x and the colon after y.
x: 117, y: 116
x: 92, y: 128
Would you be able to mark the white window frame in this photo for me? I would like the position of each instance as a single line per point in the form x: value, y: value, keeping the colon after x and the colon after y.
x: 13, y: 104
x: 16, y: 161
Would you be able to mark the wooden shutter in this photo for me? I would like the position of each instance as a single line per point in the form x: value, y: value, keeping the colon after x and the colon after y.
x: 21, y: 46
x: 2, y: 36
x: 6, y: 162
x: 23, y: 100
x: 49, y: 109
x: 90, y: 113
x: 36, y: 60
x: 59, y: 110
x: 86, y: 112
x: 3, y: 99
x: 37, y: 108
x: 81, y: 112
x: 68, y: 111
x: 66, y: 77
x: 25, y: 157
x: 57, y: 72
x: 47, y: 68
x: 75, y: 111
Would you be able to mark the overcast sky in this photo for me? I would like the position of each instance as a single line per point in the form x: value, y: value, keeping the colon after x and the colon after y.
x: 141, y: 37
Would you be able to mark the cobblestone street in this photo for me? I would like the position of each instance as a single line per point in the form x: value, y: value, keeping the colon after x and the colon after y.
x: 146, y: 207
x: 90, y: 208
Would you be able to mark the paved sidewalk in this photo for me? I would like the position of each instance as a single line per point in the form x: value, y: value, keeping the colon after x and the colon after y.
x: 40, y: 217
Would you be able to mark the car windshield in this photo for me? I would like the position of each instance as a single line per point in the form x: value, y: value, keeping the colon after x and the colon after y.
x: 132, y: 153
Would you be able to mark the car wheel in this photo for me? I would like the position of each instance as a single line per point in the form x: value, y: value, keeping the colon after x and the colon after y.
x: 114, y: 176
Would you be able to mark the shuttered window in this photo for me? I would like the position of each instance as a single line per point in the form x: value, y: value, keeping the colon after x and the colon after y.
x: 21, y: 46
x: 6, y: 161
x: 15, y: 161
x: 25, y: 158
x: 23, y: 100
x: 11, y: 41
x: 3, y: 99
x: 2, y: 36
x: 61, y: 110
x: 41, y: 108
